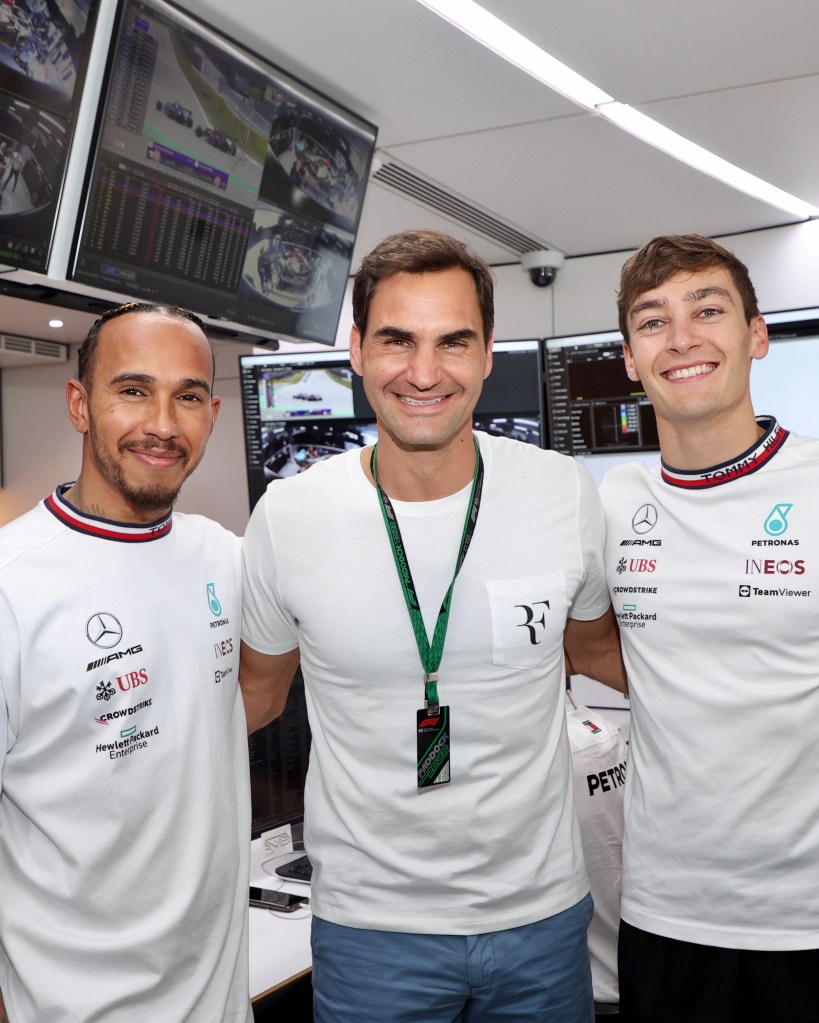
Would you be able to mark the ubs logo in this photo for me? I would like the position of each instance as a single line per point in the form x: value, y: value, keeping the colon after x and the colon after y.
x: 636, y: 565
x: 644, y: 519
x: 103, y: 630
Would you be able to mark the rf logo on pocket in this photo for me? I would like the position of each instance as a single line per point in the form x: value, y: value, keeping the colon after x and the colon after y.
x: 531, y: 622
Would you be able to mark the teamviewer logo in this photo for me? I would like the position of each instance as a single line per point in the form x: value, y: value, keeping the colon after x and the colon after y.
x: 744, y: 591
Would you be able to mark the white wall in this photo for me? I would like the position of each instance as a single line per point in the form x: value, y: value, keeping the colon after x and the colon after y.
x: 40, y: 448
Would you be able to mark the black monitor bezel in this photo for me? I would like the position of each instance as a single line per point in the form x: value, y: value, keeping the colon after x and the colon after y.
x: 40, y: 98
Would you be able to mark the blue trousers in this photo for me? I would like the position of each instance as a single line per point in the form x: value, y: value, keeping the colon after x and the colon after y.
x: 534, y: 974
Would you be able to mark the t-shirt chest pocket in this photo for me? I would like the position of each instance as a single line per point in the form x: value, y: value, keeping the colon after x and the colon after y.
x: 528, y: 618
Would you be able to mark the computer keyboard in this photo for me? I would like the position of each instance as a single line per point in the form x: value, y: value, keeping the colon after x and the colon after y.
x: 297, y: 870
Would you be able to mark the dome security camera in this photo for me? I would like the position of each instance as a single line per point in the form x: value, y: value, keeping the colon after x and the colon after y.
x: 542, y: 266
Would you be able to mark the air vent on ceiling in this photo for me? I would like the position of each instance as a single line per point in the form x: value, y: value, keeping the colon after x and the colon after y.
x: 30, y: 351
x: 412, y: 185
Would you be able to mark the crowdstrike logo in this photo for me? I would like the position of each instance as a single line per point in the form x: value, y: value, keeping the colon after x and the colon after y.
x: 777, y: 521
x: 644, y: 519
x: 103, y: 630
x: 126, y: 712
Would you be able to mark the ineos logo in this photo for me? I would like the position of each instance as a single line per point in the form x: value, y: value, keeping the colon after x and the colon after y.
x: 103, y: 629
x: 645, y: 519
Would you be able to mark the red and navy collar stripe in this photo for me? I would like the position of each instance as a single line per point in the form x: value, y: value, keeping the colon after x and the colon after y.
x: 748, y: 462
x: 91, y: 525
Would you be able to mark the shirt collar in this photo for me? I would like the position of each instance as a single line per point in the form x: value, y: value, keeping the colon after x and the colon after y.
x: 105, y: 529
x: 759, y: 454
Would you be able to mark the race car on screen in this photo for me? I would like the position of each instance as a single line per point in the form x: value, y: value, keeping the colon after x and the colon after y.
x: 176, y: 112
x: 218, y: 138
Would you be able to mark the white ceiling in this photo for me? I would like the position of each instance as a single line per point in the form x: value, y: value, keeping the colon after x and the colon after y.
x: 740, y: 77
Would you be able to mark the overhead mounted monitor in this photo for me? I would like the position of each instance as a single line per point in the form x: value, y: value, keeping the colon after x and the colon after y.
x: 44, y: 48
x: 220, y: 183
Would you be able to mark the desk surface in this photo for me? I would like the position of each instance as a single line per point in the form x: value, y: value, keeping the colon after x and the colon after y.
x: 279, y: 942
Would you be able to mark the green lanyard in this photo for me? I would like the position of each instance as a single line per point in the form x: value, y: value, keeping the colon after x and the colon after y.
x: 430, y: 653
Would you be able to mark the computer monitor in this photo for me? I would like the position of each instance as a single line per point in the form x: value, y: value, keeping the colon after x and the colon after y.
x: 300, y: 408
x: 279, y: 754
x: 44, y: 52
x: 594, y: 409
x: 593, y: 406
x: 219, y: 182
x: 510, y: 404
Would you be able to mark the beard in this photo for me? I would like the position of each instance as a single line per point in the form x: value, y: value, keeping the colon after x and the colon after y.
x: 153, y: 498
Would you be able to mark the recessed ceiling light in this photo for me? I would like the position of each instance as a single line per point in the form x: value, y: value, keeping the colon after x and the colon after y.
x: 55, y: 323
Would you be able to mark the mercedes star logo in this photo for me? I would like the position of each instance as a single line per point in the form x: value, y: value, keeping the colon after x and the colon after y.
x: 103, y: 629
x: 645, y: 519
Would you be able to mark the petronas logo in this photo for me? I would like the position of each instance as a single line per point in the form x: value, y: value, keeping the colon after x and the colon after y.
x: 776, y: 523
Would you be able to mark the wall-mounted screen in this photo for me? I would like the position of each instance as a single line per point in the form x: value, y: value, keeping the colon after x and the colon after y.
x: 510, y: 402
x: 593, y: 406
x: 220, y: 183
x: 44, y: 47
x: 300, y: 408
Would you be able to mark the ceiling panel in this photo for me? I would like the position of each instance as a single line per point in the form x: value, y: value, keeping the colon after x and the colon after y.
x: 586, y: 186
x: 766, y: 129
x: 642, y: 50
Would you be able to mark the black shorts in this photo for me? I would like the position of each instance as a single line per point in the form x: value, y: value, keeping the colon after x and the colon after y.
x: 663, y: 980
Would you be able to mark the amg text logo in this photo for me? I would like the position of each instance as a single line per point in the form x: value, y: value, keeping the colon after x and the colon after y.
x: 114, y: 657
